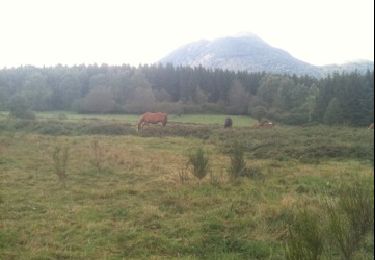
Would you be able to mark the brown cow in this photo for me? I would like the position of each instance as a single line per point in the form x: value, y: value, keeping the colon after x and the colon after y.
x: 152, y: 118
x: 371, y: 126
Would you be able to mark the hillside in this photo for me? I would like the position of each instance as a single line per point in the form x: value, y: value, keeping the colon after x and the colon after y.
x: 361, y: 66
x: 250, y: 53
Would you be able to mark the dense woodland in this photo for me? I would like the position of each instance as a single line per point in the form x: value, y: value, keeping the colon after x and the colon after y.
x: 337, y: 99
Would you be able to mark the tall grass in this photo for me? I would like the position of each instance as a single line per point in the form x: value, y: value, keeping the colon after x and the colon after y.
x: 305, y: 237
x: 97, y: 159
x: 340, y: 225
x: 351, y: 219
x: 60, y: 157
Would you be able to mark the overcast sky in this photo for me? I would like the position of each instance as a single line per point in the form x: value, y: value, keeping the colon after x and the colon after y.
x: 71, y: 32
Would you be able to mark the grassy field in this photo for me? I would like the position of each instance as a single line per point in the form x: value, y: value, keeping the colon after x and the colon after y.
x: 214, y: 119
x: 123, y: 197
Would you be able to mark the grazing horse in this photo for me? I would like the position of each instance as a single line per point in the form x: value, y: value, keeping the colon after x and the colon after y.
x: 371, y: 126
x: 228, y: 122
x: 152, y: 118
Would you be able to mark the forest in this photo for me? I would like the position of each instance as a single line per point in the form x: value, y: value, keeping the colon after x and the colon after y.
x: 338, y: 99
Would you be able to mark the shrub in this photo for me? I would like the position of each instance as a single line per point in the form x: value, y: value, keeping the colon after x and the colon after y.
x: 305, y: 238
x: 258, y: 112
x: 238, y: 165
x: 198, y: 161
x: 351, y: 219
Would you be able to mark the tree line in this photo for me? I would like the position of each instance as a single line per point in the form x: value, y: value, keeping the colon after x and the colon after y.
x: 336, y: 99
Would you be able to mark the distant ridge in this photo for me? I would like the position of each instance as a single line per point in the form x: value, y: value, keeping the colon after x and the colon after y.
x: 248, y: 52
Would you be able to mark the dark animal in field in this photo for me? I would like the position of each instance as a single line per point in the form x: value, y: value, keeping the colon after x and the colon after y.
x: 152, y: 118
x: 264, y: 124
x: 228, y: 122
x: 371, y: 126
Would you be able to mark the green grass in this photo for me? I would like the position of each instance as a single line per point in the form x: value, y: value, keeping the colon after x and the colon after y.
x: 136, y: 207
x: 215, y: 119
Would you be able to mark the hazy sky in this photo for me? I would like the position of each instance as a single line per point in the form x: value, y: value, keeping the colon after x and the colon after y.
x: 70, y: 32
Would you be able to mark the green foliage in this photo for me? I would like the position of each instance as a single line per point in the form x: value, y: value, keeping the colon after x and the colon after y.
x: 238, y: 165
x: 258, y: 113
x: 19, y: 108
x: 103, y: 89
x: 352, y: 218
x: 306, y: 144
x: 238, y: 98
x: 333, y: 114
x: 136, y: 211
x: 98, y: 100
x: 305, y: 239
x: 199, y: 163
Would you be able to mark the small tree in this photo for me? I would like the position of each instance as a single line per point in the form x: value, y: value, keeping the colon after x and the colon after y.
x: 333, y: 114
x: 199, y: 163
x: 259, y: 113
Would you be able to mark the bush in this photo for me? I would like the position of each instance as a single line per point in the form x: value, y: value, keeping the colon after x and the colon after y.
x: 238, y: 164
x: 198, y: 161
x: 351, y: 219
x: 258, y: 112
x: 305, y: 238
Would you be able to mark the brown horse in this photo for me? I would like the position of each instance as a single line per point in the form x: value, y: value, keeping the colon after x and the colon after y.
x: 152, y: 118
x: 371, y: 126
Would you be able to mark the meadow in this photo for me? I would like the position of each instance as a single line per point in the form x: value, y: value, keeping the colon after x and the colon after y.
x: 119, y: 194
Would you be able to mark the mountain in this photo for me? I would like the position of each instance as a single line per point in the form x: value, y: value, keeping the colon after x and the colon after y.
x: 245, y: 53
x: 361, y: 66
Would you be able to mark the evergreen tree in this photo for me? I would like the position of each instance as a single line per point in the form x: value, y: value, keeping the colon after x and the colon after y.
x: 333, y: 114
